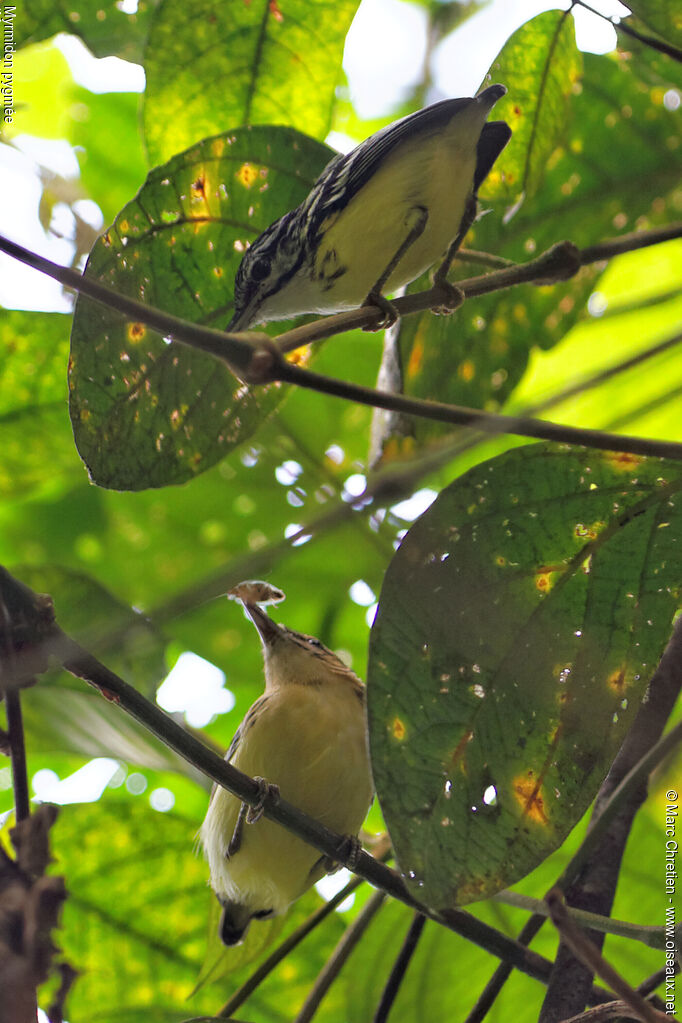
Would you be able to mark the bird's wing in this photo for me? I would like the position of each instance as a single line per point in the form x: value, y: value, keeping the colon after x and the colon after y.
x: 248, y: 720
x: 250, y: 716
x: 352, y: 170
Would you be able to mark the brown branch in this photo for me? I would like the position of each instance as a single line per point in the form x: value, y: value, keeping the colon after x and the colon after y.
x: 257, y: 360
x: 239, y: 350
x: 486, y: 422
x: 583, y: 948
x: 408, y: 948
x: 56, y: 644
x: 339, y: 956
x: 558, y: 263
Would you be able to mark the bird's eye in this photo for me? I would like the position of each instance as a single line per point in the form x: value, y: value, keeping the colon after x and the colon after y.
x: 260, y: 269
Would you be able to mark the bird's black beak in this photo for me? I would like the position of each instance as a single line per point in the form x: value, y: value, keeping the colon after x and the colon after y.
x: 268, y: 630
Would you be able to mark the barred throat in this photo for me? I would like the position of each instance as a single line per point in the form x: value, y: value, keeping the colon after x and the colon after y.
x: 268, y: 265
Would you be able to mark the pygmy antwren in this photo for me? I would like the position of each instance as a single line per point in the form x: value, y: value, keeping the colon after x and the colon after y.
x: 376, y: 218
x: 304, y: 739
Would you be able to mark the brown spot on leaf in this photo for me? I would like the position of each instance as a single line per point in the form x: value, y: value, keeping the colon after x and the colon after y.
x: 457, y: 758
x: 528, y: 793
x: 247, y: 175
x: 199, y: 187
x: 136, y: 331
x: 616, y: 681
x: 398, y: 729
x: 416, y: 358
x: 623, y: 460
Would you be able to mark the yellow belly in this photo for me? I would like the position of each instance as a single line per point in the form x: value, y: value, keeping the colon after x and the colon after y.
x: 314, y: 747
x: 367, y: 234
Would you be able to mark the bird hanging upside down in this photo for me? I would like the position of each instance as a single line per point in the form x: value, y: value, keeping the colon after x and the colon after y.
x: 376, y: 218
x: 304, y: 738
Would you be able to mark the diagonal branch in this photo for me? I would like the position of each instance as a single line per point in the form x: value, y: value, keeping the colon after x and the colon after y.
x: 487, y: 422
x: 54, y: 643
x: 257, y: 360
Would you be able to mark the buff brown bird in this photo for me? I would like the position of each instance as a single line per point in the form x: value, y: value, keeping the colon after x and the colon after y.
x: 305, y: 738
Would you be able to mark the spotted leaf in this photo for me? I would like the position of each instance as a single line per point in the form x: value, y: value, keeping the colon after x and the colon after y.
x: 518, y: 626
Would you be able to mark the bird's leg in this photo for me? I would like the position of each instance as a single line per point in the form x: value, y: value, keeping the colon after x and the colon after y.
x: 250, y: 814
x: 234, y: 845
x: 452, y: 296
x: 375, y: 297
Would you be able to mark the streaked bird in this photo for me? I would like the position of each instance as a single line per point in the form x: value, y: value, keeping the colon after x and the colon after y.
x: 305, y: 737
x: 377, y: 217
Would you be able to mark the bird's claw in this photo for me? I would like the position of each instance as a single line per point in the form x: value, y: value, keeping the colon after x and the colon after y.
x: 447, y: 297
x: 266, y: 790
x: 387, y: 308
x: 348, y: 855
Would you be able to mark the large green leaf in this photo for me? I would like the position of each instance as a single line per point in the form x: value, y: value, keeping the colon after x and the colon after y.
x: 613, y: 173
x: 662, y: 16
x: 106, y: 626
x: 212, y: 66
x: 147, y: 413
x: 105, y: 27
x: 518, y: 626
x: 33, y: 415
x: 541, y: 66
x: 134, y: 921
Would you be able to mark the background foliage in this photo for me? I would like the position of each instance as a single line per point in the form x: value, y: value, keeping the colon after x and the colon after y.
x: 595, y: 153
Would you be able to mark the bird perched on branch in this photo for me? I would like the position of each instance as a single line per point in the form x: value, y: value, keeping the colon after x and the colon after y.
x: 304, y: 739
x: 376, y: 218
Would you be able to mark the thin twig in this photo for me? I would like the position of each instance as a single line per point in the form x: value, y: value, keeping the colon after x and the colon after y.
x: 649, y: 984
x: 389, y: 994
x: 623, y: 26
x: 237, y: 349
x: 483, y: 258
x: 486, y: 422
x: 603, y: 376
x: 488, y: 995
x: 651, y: 935
x: 339, y: 956
x: 559, y: 262
x: 590, y: 955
